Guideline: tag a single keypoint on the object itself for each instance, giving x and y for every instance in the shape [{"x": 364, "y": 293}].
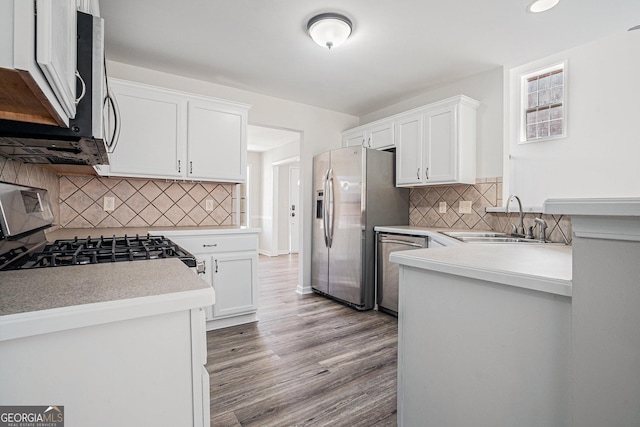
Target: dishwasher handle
[{"x": 402, "y": 242}]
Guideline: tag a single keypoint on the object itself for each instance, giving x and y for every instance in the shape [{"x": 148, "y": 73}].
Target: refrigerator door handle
[
  {"x": 325, "y": 209},
  {"x": 331, "y": 208}
]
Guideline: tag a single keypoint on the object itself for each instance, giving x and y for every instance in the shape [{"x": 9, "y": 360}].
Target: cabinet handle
[
  {"x": 369, "y": 142},
  {"x": 190, "y": 167},
  {"x": 418, "y": 173},
  {"x": 216, "y": 266},
  {"x": 179, "y": 166},
  {"x": 426, "y": 173},
  {"x": 210, "y": 246}
]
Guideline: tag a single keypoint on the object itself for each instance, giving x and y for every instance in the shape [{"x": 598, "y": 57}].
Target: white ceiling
[
  {"x": 262, "y": 139},
  {"x": 397, "y": 50}
]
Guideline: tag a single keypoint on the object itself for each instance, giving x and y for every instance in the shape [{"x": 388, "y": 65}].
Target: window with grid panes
[{"x": 544, "y": 104}]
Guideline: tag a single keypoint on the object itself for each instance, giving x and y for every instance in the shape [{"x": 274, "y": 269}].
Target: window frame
[{"x": 523, "y": 107}]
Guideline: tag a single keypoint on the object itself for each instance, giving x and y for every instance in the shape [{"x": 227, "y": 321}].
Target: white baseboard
[{"x": 302, "y": 289}]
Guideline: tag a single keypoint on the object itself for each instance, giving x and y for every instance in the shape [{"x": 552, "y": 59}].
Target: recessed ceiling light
[{"x": 542, "y": 5}]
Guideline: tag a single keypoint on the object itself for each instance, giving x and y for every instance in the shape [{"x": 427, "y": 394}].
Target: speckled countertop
[{"x": 24, "y": 291}]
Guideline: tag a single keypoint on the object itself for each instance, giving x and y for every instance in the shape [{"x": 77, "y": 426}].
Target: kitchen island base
[{"x": 477, "y": 353}]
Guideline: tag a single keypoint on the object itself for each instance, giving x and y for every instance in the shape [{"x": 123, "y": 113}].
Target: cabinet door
[
  {"x": 351, "y": 139},
  {"x": 409, "y": 169},
  {"x": 56, "y": 49},
  {"x": 235, "y": 284},
  {"x": 381, "y": 136},
  {"x": 217, "y": 142},
  {"x": 441, "y": 145},
  {"x": 152, "y": 134}
]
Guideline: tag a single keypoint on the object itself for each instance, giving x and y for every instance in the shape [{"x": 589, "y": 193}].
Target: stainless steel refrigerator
[{"x": 353, "y": 191}]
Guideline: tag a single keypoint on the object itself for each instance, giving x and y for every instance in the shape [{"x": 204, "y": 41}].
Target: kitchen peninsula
[
  {"x": 522, "y": 334},
  {"x": 484, "y": 335}
]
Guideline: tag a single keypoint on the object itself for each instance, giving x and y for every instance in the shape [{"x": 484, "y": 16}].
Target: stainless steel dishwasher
[{"x": 387, "y": 277}]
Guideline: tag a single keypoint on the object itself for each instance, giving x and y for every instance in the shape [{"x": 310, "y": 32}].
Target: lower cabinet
[
  {"x": 117, "y": 368},
  {"x": 231, "y": 268}
]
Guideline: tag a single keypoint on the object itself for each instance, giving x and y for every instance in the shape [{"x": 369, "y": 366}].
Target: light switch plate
[
  {"x": 442, "y": 208},
  {"x": 465, "y": 207},
  {"x": 208, "y": 205},
  {"x": 109, "y": 203}
]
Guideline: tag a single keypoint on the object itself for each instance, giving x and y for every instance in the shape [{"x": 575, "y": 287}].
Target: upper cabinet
[
  {"x": 38, "y": 61},
  {"x": 379, "y": 136},
  {"x": 435, "y": 144},
  {"x": 175, "y": 135}
]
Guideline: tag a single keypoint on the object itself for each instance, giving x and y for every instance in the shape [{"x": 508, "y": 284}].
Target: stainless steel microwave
[{"x": 84, "y": 141}]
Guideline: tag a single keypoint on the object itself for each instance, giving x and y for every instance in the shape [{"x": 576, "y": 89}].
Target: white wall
[
  {"x": 485, "y": 87},
  {"x": 599, "y": 156},
  {"x": 254, "y": 160},
  {"x": 321, "y": 129}
]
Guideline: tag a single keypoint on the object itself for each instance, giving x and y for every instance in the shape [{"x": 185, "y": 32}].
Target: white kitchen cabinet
[
  {"x": 354, "y": 137},
  {"x": 216, "y": 141},
  {"x": 234, "y": 275},
  {"x": 38, "y": 60},
  {"x": 379, "y": 136},
  {"x": 171, "y": 134},
  {"x": 152, "y": 138},
  {"x": 410, "y": 131},
  {"x": 231, "y": 262},
  {"x": 441, "y": 149}
]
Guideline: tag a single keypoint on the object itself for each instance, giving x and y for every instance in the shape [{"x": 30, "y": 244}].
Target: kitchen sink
[
  {"x": 473, "y": 234},
  {"x": 488, "y": 237}
]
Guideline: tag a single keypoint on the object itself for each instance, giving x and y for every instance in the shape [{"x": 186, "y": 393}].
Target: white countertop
[{"x": 545, "y": 268}]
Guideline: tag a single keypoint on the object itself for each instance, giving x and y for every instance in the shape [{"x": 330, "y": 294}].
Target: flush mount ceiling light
[
  {"x": 329, "y": 29},
  {"x": 539, "y": 6}
]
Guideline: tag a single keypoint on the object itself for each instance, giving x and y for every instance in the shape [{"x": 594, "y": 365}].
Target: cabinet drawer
[{"x": 214, "y": 244}]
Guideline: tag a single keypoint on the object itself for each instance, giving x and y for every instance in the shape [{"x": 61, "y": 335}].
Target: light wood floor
[{"x": 309, "y": 361}]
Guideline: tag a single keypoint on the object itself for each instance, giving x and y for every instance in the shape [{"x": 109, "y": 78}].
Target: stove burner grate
[{"x": 78, "y": 251}]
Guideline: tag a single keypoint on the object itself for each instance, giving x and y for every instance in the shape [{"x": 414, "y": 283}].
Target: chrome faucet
[
  {"x": 542, "y": 229},
  {"x": 520, "y": 228}
]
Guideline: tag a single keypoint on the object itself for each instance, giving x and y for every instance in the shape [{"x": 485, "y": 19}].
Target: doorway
[{"x": 294, "y": 209}]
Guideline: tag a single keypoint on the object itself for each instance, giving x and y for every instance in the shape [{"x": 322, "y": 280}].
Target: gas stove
[
  {"x": 80, "y": 251},
  {"x": 26, "y": 211}
]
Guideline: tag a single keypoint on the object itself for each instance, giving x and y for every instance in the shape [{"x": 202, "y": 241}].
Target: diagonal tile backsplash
[
  {"x": 143, "y": 202},
  {"x": 424, "y": 204},
  {"x": 487, "y": 192}
]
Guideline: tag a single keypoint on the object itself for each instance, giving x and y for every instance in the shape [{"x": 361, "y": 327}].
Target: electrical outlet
[
  {"x": 109, "y": 203},
  {"x": 465, "y": 207},
  {"x": 442, "y": 208},
  {"x": 208, "y": 205}
]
